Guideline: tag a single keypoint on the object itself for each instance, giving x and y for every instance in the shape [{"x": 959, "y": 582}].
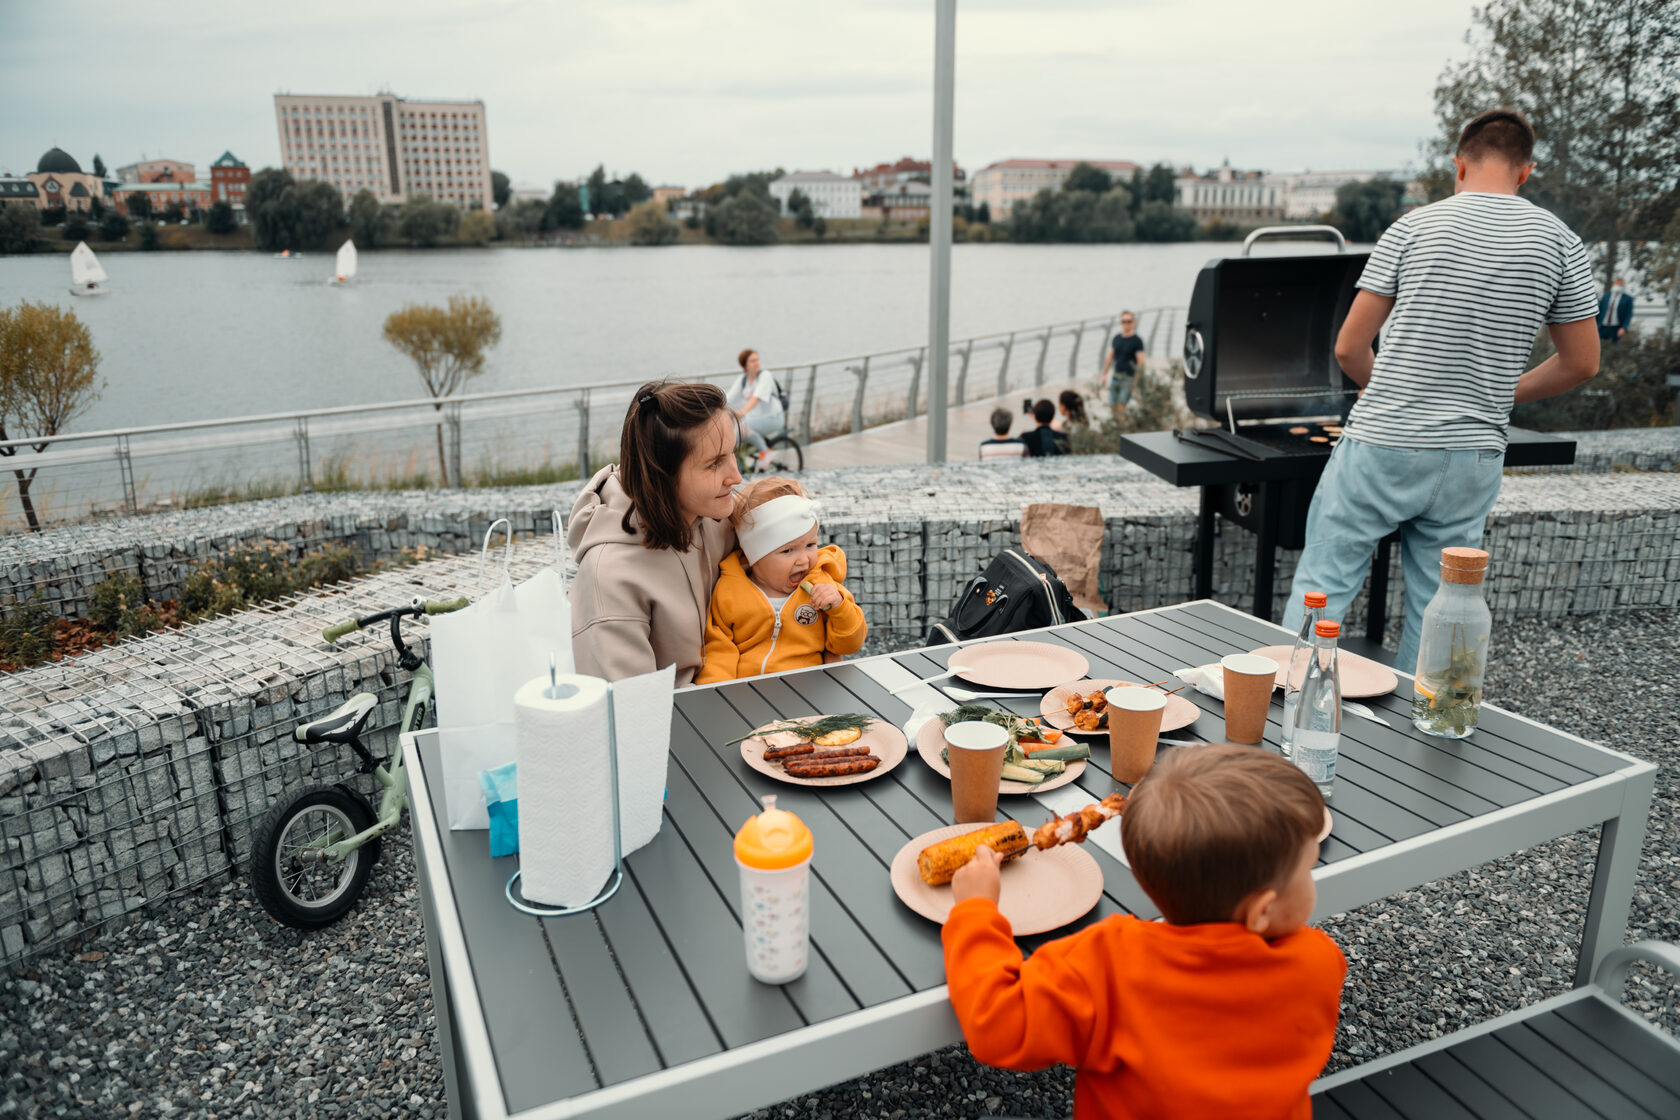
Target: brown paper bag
[{"x": 1070, "y": 540}]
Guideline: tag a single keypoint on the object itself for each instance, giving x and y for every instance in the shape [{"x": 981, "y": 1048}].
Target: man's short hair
[
  {"x": 1211, "y": 825},
  {"x": 1001, "y": 419},
  {"x": 1044, "y": 412},
  {"x": 1498, "y": 133}
]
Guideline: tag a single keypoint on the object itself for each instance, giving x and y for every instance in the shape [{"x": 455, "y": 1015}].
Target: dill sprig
[
  {"x": 821, "y": 725},
  {"x": 1009, "y": 721}
]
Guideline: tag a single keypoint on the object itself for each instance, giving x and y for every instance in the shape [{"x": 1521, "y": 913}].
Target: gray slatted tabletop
[{"x": 645, "y": 1006}]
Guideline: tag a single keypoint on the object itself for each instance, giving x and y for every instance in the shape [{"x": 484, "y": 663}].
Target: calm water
[{"x": 199, "y": 335}]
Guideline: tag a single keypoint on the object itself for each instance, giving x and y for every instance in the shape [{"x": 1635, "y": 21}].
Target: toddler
[
  {"x": 762, "y": 621},
  {"x": 1225, "y": 1008}
]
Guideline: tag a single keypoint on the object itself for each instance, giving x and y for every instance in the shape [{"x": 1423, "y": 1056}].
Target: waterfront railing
[{"x": 512, "y": 436}]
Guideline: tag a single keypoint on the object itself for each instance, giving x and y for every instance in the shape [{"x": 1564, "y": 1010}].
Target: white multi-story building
[
  {"x": 1308, "y": 195},
  {"x": 1002, "y": 184},
  {"x": 831, "y": 195},
  {"x": 391, "y": 146},
  {"x": 1239, "y": 197}
]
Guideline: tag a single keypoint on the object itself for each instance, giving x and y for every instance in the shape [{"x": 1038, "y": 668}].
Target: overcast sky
[{"x": 685, "y": 92}]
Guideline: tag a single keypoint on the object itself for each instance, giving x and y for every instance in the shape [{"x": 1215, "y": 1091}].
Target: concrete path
[{"x": 905, "y": 441}]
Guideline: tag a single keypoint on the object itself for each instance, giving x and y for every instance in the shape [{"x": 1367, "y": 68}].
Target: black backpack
[{"x": 1015, "y": 592}]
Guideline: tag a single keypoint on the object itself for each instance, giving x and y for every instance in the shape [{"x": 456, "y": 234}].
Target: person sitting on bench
[{"x": 1001, "y": 445}]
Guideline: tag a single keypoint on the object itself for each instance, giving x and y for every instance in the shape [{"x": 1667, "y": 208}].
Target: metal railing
[{"x": 507, "y": 436}]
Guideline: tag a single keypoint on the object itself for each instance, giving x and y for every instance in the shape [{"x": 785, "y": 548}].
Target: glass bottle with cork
[
  {"x": 1453, "y": 648},
  {"x": 1314, "y": 603}
]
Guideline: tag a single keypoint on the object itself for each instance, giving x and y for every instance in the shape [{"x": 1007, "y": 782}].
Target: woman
[
  {"x": 1070, "y": 409},
  {"x": 649, "y": 533},
  {"x": 757, "y": 404}
]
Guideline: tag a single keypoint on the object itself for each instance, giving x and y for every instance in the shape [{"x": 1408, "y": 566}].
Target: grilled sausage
[
  {"x": 771, "y": 754},
  {"x": 835, "y": 768},
  {"x": 828, "y": 755}
]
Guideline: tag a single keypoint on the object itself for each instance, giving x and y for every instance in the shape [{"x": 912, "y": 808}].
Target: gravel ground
[{"x": 207, "y": 1008}]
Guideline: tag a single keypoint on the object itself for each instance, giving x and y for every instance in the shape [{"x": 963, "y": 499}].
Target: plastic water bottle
[
  {"x": 1298, "y": 658},
  {"x": 1316, "y": 729}
]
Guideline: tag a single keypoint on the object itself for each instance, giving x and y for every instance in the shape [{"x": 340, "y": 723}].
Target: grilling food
[
  {"x": 832, "y": 767},
  {"x": 773, "y": 754},
  {"x": 1073, "y": 828},
  {"x": 838, "y": 737},
  {"x": 938, "y": 862}
]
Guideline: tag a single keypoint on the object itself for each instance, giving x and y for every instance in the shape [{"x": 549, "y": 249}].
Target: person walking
[
  {"x": 1615, "y": 313},
  {"x": 1462, "y": 285},
  {"x": 756, "y": 400},
  {"x": 1122, "y": 363}
]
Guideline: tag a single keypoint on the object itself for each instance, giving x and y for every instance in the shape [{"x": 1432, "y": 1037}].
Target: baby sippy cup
[{"x": 773, "y": 851}]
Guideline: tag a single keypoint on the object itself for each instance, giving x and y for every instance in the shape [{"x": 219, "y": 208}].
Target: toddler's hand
[
  {"x": 978, "y": 878},
  {"x": 825, "y": 596}
]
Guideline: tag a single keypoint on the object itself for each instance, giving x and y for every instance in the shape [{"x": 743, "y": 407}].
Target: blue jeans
[{"x": 1437, "y": 499}]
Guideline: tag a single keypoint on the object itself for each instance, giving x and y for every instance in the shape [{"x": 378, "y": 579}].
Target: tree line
[{"x": 1092, "y": 206}]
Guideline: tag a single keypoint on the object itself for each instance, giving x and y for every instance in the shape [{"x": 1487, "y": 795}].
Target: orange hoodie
[
  {"x": 1159, "y": 1020},
  {"x": 745, "y": 637}
]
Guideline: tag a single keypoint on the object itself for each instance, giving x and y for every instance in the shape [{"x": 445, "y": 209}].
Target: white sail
[
  {"x": 346, "y": 267},
  {"x": 84, "y": 267}
]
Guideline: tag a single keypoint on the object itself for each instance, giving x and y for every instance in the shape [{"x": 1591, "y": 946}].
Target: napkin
[{"x": 1206, "y": 679}]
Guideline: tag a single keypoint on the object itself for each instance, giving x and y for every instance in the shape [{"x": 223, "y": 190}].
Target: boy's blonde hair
[
  {"x": 759, "y": 491},
  {"x": 1211, "y": 825}
]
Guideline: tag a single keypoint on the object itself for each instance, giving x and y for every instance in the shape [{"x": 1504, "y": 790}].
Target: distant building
[
  {"x": 885, "y": 176},
  {"x": 163, "y": 195},
  {"x": 1309, "y": 195},
  {"x": 158, "y": 171},
  {"x": 60, "y": 181},
  {"x": 15, "y": 190},
  {"x": 668, "y": 194},
  {"x": 683, "y": 209},
  {"x": 906, "y": 201},
  {"x": 831, "y": 195},
  {"x": 229, "y": 180},
  {"x": 529, "y": 192},
  {"x": 389, "y": 145},
  {"x": 1227, "y": 195},
  {"x": 1002, "y": 184}
]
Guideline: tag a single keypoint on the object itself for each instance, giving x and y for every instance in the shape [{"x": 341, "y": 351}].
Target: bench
[{"x": 1580, "y": 1054}]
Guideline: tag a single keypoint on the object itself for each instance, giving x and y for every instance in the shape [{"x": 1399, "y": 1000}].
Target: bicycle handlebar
[
  {"x": 443, "y": 606},
  {"x": 428, "y": 606},
  {"x": 333, "y": 633}
]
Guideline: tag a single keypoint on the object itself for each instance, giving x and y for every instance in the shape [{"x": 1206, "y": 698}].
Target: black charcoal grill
[{"x": 1260, "y": 362}]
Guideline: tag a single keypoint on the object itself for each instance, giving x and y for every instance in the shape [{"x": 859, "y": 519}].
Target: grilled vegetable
[
  {"x": 938, "y": 862},
  {"x": 1014, "y": 772},
  {"x": 1049, "y": 766},
  {"x": 1067, "y": 752},
  {"x": 808, "y": 587}
]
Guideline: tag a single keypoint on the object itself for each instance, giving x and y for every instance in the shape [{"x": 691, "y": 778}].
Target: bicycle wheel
[
  {"x": 296, "y": 888},
  {"x": 784, "y": 443}
]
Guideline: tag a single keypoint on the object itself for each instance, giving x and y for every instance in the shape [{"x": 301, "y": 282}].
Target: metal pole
[{"x": 939, "y": 226}]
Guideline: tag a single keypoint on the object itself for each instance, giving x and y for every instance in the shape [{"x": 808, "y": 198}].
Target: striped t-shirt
[{"x": 1473, "y": 277}]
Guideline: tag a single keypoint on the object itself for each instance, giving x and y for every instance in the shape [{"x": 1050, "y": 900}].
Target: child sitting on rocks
[
  {"x": 763, "y": 620},
  {"x": 1226, "y": 1008}
]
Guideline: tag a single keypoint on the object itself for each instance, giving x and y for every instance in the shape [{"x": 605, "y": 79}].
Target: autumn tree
[
  {"x": 49, "y": 373},
  {"x": 447, "y": 347},
  {"x": 651, "y": 225}
]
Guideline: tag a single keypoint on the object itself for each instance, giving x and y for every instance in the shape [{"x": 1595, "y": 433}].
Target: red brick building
[{"x": 229, "y": 180}]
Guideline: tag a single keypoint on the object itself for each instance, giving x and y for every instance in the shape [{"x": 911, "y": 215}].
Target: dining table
[{"x": 644, "y": 1007}]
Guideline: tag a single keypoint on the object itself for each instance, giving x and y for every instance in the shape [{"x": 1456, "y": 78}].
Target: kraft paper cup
[
  {"x": 1249, "y": 680},
  {"x": 975, "y": 753},
  {"x": 1134, "y": 725}
]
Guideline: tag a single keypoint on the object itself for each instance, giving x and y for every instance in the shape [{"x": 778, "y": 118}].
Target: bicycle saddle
[{"x": 343, "y": 725}]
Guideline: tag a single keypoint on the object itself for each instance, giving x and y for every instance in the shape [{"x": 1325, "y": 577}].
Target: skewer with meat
[{"x": 1073, "y": 828}]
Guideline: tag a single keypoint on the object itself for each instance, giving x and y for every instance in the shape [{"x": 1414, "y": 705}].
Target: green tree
[
  {"x": 1365, "y": 209},
  {"x": 636, "y": 189},
  {"x": 173, "y": 213},
  {"x": 564, "y": 209},
  {"x": 1085, "y": 177},
  {"x": 820, "y": 227},
  {"x": 745, "y": 219},
  {"x": 98, "y": 166},
  {"x": 520, "y": 220},
  {"x": 77, "y": 229},
  {"x": 983, "y": 213},
  {"x": 1158, "y": 185},
  {"x": 221, "y": 218},
  {"x": 264, "y": 192},
  {"x": 148, "y": 237},
  {"x": 113, "y": 226},
  {"x": 49, "y": 373},
  {"x": 447, "y": 348},
  {"x": 95, "y": 211},
  {"x": 597, "y": 186},
  {"x": 139, "y": 206},
  {"x": 799, "y": 205},
  {"x": 1158, "y": 221},
  {"x": 20, "y": 226},
  {"x": 477, "y": 227},
  {"x": 757, "y": 182},
  {"x": 426, "y": 222},
  {"x": 1065, "y": 215},
  {"x": 500, "y": 189},
  {"x": 651, "y": 225},
  {"x": 53, "y": 216},
  {"x": 367, "y": 225}
]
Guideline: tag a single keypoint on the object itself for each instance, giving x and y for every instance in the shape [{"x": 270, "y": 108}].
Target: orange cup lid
[
  {"x": 1316, "y": 599},
  {"x": 773, "y": 840},
  {"x": 1327, "y": 629}
]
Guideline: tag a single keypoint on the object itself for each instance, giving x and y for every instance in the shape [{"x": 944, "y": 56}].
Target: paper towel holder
[{"x": 556, "y": 691}]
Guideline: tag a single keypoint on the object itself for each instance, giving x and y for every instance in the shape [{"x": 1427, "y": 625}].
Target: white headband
[{"x": 774, "y": 524}]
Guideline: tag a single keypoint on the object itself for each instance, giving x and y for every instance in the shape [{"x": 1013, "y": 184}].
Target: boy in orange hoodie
[
  {"x": 1226, "y": 1008},
  {"x": 762, "y": 620}
]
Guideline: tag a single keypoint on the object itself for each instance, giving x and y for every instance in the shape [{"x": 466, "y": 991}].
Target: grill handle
[{"x": 1295, "y": 232}]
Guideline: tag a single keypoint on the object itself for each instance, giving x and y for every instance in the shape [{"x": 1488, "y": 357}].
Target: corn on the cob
[{"x": 938, "y": 862}]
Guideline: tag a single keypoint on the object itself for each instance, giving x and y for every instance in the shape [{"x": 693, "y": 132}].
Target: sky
[{"x": 687, "y": 92}]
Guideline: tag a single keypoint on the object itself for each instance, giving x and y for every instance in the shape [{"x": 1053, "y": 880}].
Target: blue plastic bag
[{"x": 501, "y": 799}]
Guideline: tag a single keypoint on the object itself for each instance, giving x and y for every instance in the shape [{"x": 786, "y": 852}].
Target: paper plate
[
  {"x": 1180, "y": 713},
  {"x": 883, "y": 740},
  {"x": 1041, "y": 891},
  {"x": 1019, "y": 665},
  {"x": 1361, "y": 676},
  {"x": 930, "y": 740}
]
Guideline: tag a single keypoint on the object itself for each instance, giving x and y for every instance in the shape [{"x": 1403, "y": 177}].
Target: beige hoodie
[{"x": 637, "y": 609}]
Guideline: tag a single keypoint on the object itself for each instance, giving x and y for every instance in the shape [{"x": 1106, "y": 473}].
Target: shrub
[
  {"x": 1630, "y": 391},
  {"x": 205, "y": 594},
  {"x": 333, "y": 563},
  {"x": 77, "y": 229},
  {"x": 26, "y": 633},
  {"x": 119, "y": 605},
  {"x": 113, "y": 227}
]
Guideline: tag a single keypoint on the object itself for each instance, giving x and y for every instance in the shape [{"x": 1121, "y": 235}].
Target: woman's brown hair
[
  {"x": 1211, "y": 825},
  {"x": 659, "y": 432},
  {"x": 743, "y": 356}
]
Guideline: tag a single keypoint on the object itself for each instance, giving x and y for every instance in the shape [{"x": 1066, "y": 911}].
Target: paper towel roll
[{"x": 565, "y": 791}]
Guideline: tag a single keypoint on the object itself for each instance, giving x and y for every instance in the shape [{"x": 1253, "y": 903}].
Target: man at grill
[{"x": 1462, "y": 286}]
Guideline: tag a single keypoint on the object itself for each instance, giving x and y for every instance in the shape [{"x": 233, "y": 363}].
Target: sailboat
[
  {"x": 345, "y": 269},
  {"x": 86, "y": 277}
]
